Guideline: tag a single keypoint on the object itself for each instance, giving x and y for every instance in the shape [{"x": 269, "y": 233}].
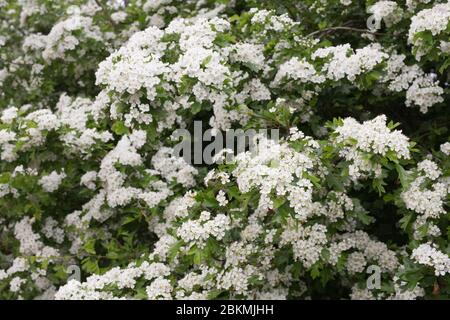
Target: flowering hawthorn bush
[{"x": 92, "y": 92}]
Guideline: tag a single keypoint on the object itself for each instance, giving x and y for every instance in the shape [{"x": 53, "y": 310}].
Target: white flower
[
  {"x": 434, "y": 20},
  {"x": 6, "y": 136},
  {"x": 8, "y": 115},
  {"x": 30, "y": 243},
  {"x": 356, "y": 262},
  {"x": 221, "y": 198},
  {"x": 60, "y": 39},
  {"x": 386, "y": 11},
  {"x": 119, "y": 16},
  {"x": 299, "y": 70},
  {"x": 15, "y": 284},
  {"x": 426, "y": 201},
  {"x": 198, "y": 231},
  {"x": 343, "y": 62},
  {"x": 307, "y": 242},
  {"x": 173, "y": 167},
  {"x": 249, "y": 53},
  {"x": 159, "y": 289},
  {"x": 428, "y": 254},
  {"x": 88, "y": 179},
  {"x": 45, "y": 119},
  {"x": 425, "y": 93},
  {"x": 374, "y": 136},
  {"x": 135, "y": 65},
  {"x": 52, "y": 181},
  {"x": 430, "y": 169},
  {"x": 445, "y": 148}
]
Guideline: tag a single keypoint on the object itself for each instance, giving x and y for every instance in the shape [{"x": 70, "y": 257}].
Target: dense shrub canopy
[{"x": 93, "y": 92}]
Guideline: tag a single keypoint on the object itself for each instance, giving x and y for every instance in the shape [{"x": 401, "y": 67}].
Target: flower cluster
[
  {"x": 428, "y": 23},
  {"x": 369, "y": 138},
  {"x": 428, "y": 255}
]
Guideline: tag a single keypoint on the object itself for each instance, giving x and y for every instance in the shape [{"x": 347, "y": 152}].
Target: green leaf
[
  {"x": 315, "y": 271},
  {"x": 174, "y": 250},
  {"x": 198, "y": 257},
  {"x": 214, "y": 293},
  {"x": 406, "y": 220},
  {"x": 90, "y": 265},
  {"x": 444, "y": 66},
  {"x": 365, "y": 218},
  {"x": 278, "y": 202},
  {"x": 196, "y": 107},
  {"x": 89, "y": 246},
  {"x": 224, "y": 39},
  {"x": 119, "y": 128},
  {"x": 378, "y": 184},
  {"x": 315, "y": 180},
  {"x": 402, "y": 175},
  {"x": 206, "y": 61}
]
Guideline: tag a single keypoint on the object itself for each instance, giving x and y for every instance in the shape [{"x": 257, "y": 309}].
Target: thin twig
[{"x": 344, "y": 28}]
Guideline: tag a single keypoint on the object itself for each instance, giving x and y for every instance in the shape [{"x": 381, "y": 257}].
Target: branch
[{"x": 343, "y": 28}]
